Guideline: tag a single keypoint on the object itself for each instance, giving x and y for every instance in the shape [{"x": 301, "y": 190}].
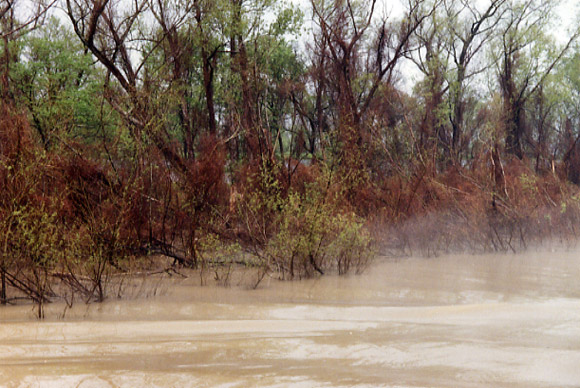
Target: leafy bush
[{"x": 304, "y": 234}]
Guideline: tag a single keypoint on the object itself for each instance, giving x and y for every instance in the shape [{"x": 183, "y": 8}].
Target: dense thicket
[{"x": 297, "y": 139}]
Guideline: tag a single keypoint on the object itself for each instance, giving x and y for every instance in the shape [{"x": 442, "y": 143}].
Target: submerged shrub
[
  {"x": 305, "y": 234},
  {"x": 314, "y": 239}
]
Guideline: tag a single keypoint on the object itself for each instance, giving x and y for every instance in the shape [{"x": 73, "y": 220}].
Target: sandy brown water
[{"x": 456, "y": 321}]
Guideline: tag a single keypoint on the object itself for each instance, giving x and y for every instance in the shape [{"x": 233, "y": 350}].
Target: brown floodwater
[{"x": 454, "y": 321}]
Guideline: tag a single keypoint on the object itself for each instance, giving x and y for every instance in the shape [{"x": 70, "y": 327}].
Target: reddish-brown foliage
[{"x": 15, "y": 133}]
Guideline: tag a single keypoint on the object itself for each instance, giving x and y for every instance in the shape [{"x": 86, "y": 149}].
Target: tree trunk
[
  {"x": 3, "y": 286},
  {"x": 208, "y": 72},
  {"x": 514, "y": 128}
]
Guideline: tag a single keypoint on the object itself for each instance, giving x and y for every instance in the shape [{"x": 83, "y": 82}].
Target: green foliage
[
  {"x": 289, "y": 20},
  {"x": 529, "y": 183},
  {"x": 61, "y": 87},
  {"x": 34, "y": 236},
  {"x": 313, "y": 239},
  {"x": 214, "y": 250},
  {"x": 32, "y": 243},
  {"x": 305, "y": 234},
  {"x": 218, "y": 256}
]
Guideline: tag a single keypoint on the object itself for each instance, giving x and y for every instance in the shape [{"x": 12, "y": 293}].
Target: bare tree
[
  {"x": 356, "y": 50},
  {"x": 466, "y": 41}
]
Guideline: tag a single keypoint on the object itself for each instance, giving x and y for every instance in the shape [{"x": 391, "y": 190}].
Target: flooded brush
[
  {"x": 464, "y": 212},
  {"x": 304, "y": 234}
]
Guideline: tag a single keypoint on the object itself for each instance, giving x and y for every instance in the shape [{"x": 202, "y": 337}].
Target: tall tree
[
  {"x": 471, "y": 28},
  {"x": 448, "y": 43},
  {"x": 527, "y": 56},
  {"x": 118, "y": 37},
  {"x": 361, "y": 58}
]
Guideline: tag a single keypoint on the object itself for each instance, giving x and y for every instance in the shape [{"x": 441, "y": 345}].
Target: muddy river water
[{"x": 456, "y": 321}]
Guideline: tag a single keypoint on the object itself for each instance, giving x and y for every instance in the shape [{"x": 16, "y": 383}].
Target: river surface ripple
[{"x": 454, "y": 321}]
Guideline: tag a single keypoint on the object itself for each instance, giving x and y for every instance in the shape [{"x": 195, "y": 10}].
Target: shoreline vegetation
[{"x": 161, "y": 137}]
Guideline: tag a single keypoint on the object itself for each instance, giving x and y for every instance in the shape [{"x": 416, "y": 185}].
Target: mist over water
[{"x": 469, "y": 321}]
